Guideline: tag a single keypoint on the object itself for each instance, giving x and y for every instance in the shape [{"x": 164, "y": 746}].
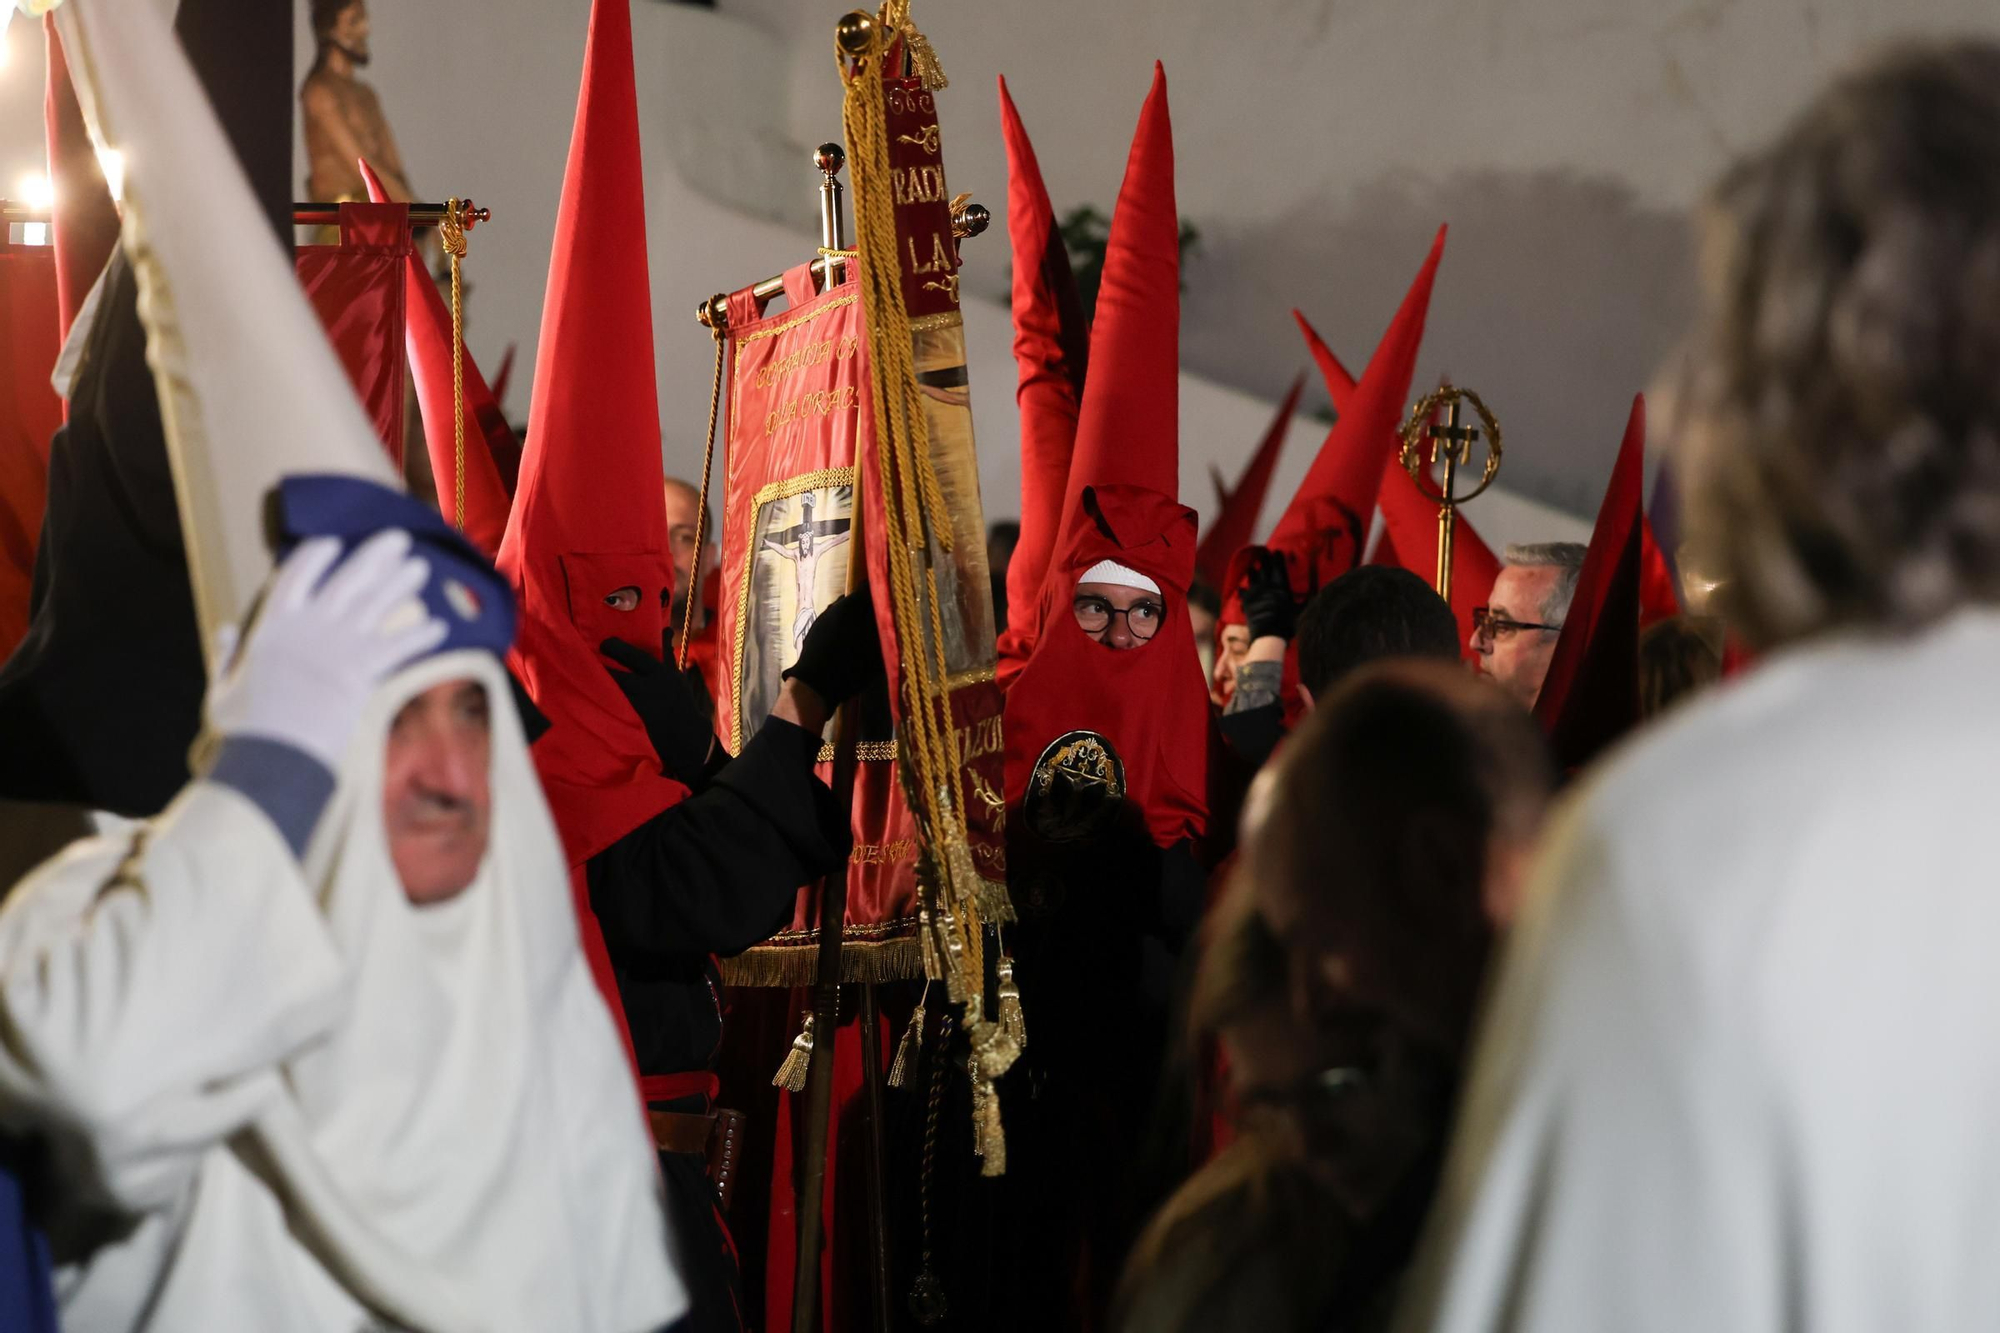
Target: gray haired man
[{"x": 1514, "y": 634}]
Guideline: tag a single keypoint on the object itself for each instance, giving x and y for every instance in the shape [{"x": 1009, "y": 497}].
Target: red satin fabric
[
  {"x": 428, "y": 340},
  {"x": 1410, "y": 538},
  {"x": 1590, "y": 696},
  {"x": 1323, "y": 530},
  {"x": 1051, "y": 350},
  {"x": 1409, "y": 520},
  {"x": 1128, "y": 428},
  {"x": 1659, "y": 597},
  {"x": 590, "y": 515},
  {"x": 356, "y": 288},
  {"x": 798, "y": 405},
  {"x": 30, "y": 412},
  {"x": 843, "y": 1259},
  {"x": 1150, "y": 702},
  {"x": 1236, "y": 516}
]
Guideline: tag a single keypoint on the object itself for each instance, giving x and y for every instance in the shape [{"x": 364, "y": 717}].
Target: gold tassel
[
  {"x": 992, "y": 1139},
  {"x": 980, "y": 1095},
  {"x": 933, "y": 966},
  {"x": 791, "y": 1075},
  {"x": 1012, "y": 1021},
  {"x": 908, "y": 1049},
  {"x": 953, "y": 957}
]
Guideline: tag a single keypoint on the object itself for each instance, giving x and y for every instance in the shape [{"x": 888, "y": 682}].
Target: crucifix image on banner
[{"x": 797, "y": 564}]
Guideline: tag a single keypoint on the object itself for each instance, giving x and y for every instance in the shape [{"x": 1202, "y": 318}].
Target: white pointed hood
[{"x": 465, "y": 1150}]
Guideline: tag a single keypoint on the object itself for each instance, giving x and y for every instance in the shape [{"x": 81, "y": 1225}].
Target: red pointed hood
[
  {"x": 1236, "y": 516},
  {"x": 1050, "y": 350},
  {"x": 1339, "y": 381},
  {"x": 1323, "y": 529},
  {"x": 1590, "y": 696},
  {"x": 1149, "y": 702},
  {"x": 1410, "y": 539},
  {"x": 1409, "y": 520},
  {"x": 428, "y": 341},
  {"x": 1128, "y": 431},
  {"x": 503, "y": 377},
  {"x": 588, "y": 517},
  {"x": 1659, "y": 597}
]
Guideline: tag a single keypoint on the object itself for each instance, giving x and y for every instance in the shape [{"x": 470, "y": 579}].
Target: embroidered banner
[{"x": 797, "y": 381}]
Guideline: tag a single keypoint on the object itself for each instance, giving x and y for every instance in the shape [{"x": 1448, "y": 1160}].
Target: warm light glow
[
  {"x": 35, "y": 190},
  {"x": 112, "y": 162}
]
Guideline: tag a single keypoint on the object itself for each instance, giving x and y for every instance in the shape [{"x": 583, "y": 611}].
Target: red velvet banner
[
  {"x": 797, "y": 383},
  {"x": 923, "y": 205},
  {"x": 30, "y": 411},
  {"x": 357, "y": 289},
  {"x": 928, "y": 259}
]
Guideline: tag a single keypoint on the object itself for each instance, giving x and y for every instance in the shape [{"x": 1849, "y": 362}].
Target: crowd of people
[{"x": 1360, "y": 999}]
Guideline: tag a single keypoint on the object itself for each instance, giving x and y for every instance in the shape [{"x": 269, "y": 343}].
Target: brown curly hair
[{"x": 1843, "y": 453}]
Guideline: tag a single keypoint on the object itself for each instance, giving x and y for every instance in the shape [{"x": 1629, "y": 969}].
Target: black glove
[
  {"x": 842, "y": 652},
  {"x": 1268, "y": 606},
  {"x": 666, "y": 705}
]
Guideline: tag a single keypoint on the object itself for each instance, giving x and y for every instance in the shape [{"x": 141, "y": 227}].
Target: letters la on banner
[{"x": 801, "y": 483}]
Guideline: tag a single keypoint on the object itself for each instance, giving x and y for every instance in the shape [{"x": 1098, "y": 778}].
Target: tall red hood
[{"x": 589, "y": 514}]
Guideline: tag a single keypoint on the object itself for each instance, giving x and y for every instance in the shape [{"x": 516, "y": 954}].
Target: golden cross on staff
[{"x": 1450, "y": 443}]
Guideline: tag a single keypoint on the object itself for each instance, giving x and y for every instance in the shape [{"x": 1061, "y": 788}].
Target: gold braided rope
[
  {"x": 451, "y": 234},
  {"x": 917, "y": 525},
  {"x": 701, "y": 508}
]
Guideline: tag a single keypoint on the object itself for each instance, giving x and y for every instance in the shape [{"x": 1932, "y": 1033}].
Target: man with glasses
[
  {"x": 1117, "y": 605},
  {"x": 1515, "y": 634}
]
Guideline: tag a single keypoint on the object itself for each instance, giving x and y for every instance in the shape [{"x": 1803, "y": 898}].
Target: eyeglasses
[
  {"x": 1094, "y": 615},
  {"x": 1497, "y": 624}
]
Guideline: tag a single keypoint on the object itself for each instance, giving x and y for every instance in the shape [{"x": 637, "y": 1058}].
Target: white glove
[{"x": 317, "y": 650}]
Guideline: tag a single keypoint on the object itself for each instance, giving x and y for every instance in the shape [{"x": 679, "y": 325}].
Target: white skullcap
[{"x": 1120, "y": 576}]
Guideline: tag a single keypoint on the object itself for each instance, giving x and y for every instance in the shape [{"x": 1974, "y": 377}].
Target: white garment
[
  {"x": 249, "y": 387},
  {"x": 320, "y": 1104},
  {"x": 1742, "y": 1067}
]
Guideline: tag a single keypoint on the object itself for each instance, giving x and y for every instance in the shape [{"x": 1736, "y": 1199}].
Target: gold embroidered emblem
[{"x": 1075, "y": 788}]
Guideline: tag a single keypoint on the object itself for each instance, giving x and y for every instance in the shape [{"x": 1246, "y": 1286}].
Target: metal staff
[{"x": 1449, "y": 443}]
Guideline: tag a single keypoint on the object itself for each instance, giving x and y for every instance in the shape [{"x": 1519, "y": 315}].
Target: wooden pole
[
  {"x": 871, "y": 1147},
  {"x": 829, "y": 158}
]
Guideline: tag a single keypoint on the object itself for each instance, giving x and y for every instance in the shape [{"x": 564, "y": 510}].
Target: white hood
[{"x": 467, "y": 1150}]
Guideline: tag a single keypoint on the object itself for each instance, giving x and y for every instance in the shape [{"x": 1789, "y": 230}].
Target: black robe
[{"x": 712, "y": 875}]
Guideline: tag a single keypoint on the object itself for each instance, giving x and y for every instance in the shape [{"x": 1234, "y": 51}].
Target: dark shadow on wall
[{"x": 1557, "y": 299}]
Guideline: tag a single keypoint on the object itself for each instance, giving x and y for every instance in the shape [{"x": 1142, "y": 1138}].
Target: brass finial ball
[
  {"x": 830, "y": 158},
  {"x": 854, "y": 34},
  {"x": 976, "y": 218}
]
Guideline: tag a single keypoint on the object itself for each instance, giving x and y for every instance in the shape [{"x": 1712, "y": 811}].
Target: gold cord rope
[
  {"x": 701, "y": 510},
  {"x": 918, "y": 527},
  {"x": 451, "y": 233}
]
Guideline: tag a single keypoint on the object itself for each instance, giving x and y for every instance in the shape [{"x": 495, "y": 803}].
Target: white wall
[{"x": 1320, "y": 142}]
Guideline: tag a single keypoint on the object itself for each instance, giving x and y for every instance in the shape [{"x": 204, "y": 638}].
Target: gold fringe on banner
[{"x": 875, "y": 962}]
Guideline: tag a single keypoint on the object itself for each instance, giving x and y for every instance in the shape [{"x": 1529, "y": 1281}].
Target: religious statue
[{"x": 343, "y": 117}]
